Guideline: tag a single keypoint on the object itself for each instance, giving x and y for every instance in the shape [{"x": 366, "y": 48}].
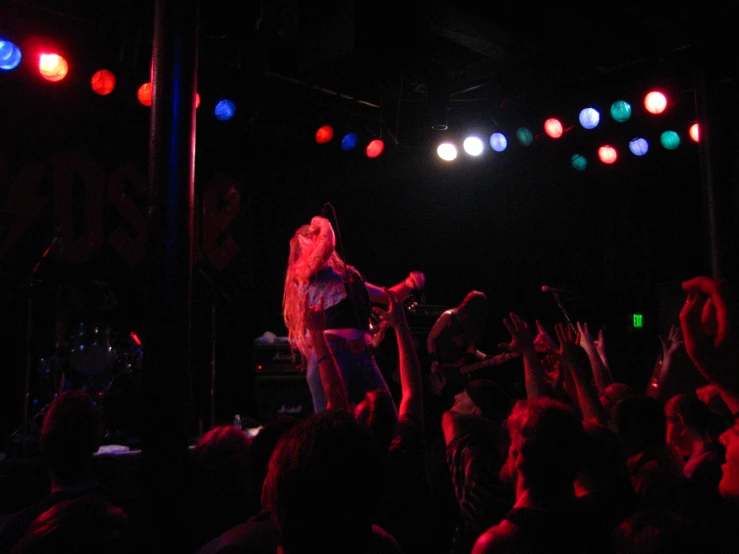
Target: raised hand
[
  {"x": 706, "y": 320},
  {"x": 521, "y": 337},
  {"x": 672, "y": 342},
  {"x": 600, "y": 346},
  {"x": 596, "y": 354},
  {"x": 586, "y": 340},
  {"x": 379, "y": 332},
  {"x": 543, "y": 342},
  {"x": 316, "y": 249},
  {"x": 577, "y": 360},
  {"x": 415, "y": 281},
  {"x": 569, "y": 341},
  {"x": 319, "y": 222},
  {"x": 395, "y": 314},
  {"x": 522, "y": 342}
]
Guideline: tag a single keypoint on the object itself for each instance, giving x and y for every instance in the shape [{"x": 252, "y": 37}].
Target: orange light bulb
[{"x": 53, "y": 67}]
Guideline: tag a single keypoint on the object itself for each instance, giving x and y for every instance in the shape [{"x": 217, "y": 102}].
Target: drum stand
[{"x": 23, "y": 430}]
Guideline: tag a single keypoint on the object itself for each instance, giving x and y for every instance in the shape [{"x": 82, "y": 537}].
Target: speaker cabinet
[
  {"x": 278, "y": 394},
  {"x": 275, "y": 358}
]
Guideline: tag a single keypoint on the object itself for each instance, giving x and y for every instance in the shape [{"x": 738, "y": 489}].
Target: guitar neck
[{"x": 495, "y": 360}]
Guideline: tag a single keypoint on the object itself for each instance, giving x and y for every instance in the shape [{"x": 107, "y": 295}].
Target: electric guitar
[
  {"x": 378, "y": 327},
  {"x": 458, "y": 372}
]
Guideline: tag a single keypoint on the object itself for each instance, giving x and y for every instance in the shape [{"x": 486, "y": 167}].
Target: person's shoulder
[
  {"x": 382, "y": 542},
  {"x": 465, "y": 445},
  {"x": 257, "y": 534},
  {"x": 497, "y": 539},
  {"x": 409, "y": 437},
  {"x": 409, "y": 425},
  {"x": 16, "y": 524},
  {"x": 473, "y": 429},
  {"x": 706, "y": 465}
]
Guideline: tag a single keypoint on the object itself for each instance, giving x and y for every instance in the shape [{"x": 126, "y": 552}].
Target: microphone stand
[
  {"x": 28, "y": 287},
  {"x": 216, "y": 293},
  {"x": 558, "y": 300}
]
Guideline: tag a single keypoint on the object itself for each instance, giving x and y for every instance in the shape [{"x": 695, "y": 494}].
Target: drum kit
[
  {"x": 105, "y": 363},
  {"x": 97, "y": 356},
  {"x": 88, "y": 355}
]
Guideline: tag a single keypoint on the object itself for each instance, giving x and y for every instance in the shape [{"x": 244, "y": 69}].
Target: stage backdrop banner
[{"x": 71, "y": 197}]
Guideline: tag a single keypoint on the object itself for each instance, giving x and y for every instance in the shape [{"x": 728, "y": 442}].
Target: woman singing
[{"x": 316, "y": 273}]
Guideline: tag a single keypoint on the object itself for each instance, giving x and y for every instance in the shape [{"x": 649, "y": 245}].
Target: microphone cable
[{"x": 340, "y": 243}]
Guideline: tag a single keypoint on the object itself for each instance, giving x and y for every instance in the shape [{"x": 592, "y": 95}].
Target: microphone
[
  {"x": 58, "y": 238},
  {"x": 326, "y": 210},
  {"x": 546, "y": 288}
]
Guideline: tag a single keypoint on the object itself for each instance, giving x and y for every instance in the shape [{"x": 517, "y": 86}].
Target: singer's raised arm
[{"x": 413, "y": 282}]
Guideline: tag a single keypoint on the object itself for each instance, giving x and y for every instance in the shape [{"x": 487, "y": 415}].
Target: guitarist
[{"x": 452, "y": 341}]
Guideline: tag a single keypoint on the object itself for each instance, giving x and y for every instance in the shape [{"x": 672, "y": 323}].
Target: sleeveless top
[{"x": 345, "y": 298}]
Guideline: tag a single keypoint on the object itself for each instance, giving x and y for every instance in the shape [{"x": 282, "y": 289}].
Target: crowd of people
[{"x": 581, "y": 462}]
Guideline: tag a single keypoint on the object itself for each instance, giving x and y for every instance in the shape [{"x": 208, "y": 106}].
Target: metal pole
[
  {"x": 709, "y": 129},
  {"x": 29, "y": 356},
  {"x": 715, "y": 97},
  {"x": 167, "y": 366},
  {"x": 213, "y": 360}
]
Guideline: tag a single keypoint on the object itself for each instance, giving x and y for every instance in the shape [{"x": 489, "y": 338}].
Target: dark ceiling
[
  {"x": 424, "y": 62},
  {"x": 403, "y": 63}
]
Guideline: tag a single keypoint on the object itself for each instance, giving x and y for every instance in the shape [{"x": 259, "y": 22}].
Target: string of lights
[{"x": 54, "y": 67}]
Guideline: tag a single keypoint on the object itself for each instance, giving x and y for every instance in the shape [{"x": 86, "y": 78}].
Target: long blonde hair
[{"x": 293, "y": 295}]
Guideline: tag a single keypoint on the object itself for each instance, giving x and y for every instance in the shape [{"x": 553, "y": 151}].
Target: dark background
[{"x": 621, "y": 237}]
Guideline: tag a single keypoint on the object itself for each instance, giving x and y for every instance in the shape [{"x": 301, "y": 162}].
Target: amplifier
[
  {"x": 275, "y": 358},
  {"x": 421, "y": 317},
  {"x": 281, "y": 394}
]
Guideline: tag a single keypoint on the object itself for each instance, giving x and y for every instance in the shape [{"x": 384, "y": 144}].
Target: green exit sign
[{"x": 638, "y": 321}]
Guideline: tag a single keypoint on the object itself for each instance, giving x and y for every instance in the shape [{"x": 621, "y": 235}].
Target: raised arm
[
  {"x": 707, "y": 320},
  {"x": 564, "y": 381},
  {"x": 601, "y": 375},
  {"x": 662, "y": 368},
  {"x": 522, "y": 341},
  {"x": 415, "y": 281},
  {"x": 315, "y": 256},
  {"x": 543, "y": 341},
  {"x": 578, "y": 363},
  {"x": 411, "y": 384},
  {"x": 600, "y": 347},
  {"x": 333, "y": 383}
]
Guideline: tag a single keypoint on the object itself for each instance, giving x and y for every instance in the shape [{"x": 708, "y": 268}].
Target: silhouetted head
[
  {"x": 474, "y": 304},
  {"x": 320, "y": 484},
  {"x": 490, "y": 398},
  {"x": 377, "y": 414},
  {"x": 689, "y": 419},
  {"x": 71, "y": 433},
  {"x": 262, "y": 447},
  {"x": 545, "y": 446},
  {"x": 219, "y": 483},
  {"x": 640, "y": 423},
  {"x": 613, "y": 394}
]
